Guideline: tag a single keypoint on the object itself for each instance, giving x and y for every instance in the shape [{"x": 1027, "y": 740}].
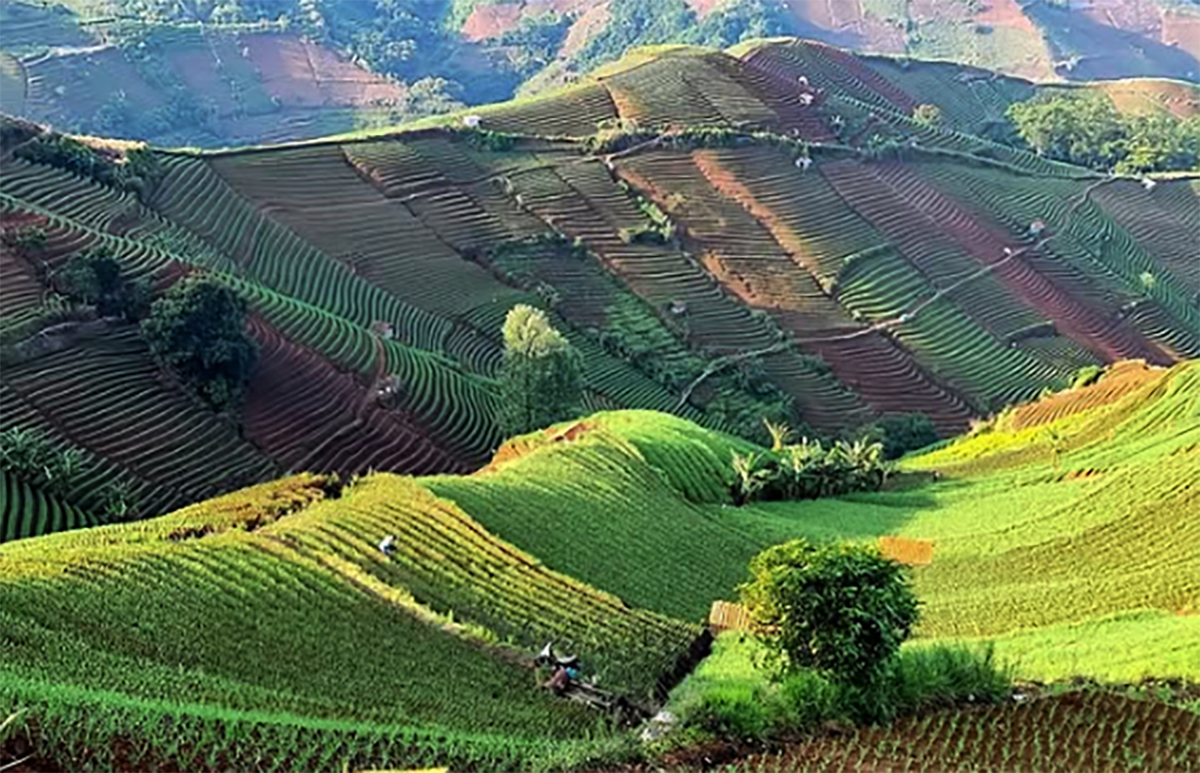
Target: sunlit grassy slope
[
  {"x": 1088, "y": 563},
  {"x": 269, "y": 617}
]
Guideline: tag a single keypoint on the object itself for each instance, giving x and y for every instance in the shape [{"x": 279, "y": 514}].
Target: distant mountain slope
[
  {"x": 221, "y": 74},
  {"x": 733, "y": 243}
]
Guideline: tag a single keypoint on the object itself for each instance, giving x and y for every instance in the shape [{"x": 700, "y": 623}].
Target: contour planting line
[{"x": 886, "y": 324}]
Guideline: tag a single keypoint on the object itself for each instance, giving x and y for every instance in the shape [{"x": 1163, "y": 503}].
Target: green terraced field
[
  {"x": 857, "y": 286},
  {"x": 1078, "y": 561}
]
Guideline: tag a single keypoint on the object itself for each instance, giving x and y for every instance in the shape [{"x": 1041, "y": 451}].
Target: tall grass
[{"x": 728, "y": 699}]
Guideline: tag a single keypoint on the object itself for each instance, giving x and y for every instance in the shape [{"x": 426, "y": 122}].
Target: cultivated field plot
[
  {"x": 1071, "y": 732},
  {"x": 682, "y": 267}
]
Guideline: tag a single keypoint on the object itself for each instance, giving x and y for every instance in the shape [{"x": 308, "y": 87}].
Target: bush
[
  {"x": 1086, "y": 376},
  {"x": 735, "y": 711},
  {"x": 198, "y": 330},
  {"x": 31, "y": 456},
  {"x": 840, "y": 609}
]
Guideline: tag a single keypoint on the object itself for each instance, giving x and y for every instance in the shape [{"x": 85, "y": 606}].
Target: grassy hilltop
[
  {"x": 263, "y": 630},
  {"x": 768, "y": 231}
]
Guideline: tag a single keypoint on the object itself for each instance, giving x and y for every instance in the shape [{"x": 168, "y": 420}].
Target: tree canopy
[
  {"x": 541, "y": 382},
  {"x": 840, "y": 609},
  {"x": 1085, "y": 128},
  {"x": 198, "y": 330}
]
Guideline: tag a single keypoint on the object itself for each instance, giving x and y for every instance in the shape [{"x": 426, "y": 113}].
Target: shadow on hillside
[
  {"x": 1097, "y": 51},
  {"x": 862, "y": 516}
]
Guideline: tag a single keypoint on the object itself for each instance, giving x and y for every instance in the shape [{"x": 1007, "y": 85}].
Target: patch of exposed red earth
[
  {"x": 302, "y": 74},
  {"x": 308, "y": 415},
  {"x": 488, "y": 22},
  {"x": 1006, "y": 13},
  {"x": 587, "y": 26},
  {"x": 1182, "y": 29},
  {"x": 1141, "y": 16}
]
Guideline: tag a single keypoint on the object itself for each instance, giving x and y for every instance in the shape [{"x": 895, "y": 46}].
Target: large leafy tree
[
  {"x": 541, "y": 380},
  {"x": 841, "y": 609},
  {"x": 198, "y": 330}
]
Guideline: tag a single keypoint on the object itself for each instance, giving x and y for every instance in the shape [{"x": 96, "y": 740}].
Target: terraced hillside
[
  {"x": 722, "y": 236},
  {"x": 1063, "y": 532}
]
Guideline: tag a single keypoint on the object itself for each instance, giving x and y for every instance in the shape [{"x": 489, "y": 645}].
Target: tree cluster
[
  {"x": 138, "y": 172},
  {"x": 900, "y": 433},
  {"x": 807, "y": 470},
  {"x": 842, "y": 610},
  {"x": 1085, "y": 128},
  {"x": 95, "y": 278}
]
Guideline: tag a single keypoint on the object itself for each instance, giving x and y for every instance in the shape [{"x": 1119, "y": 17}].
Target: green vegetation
[
  {"x": 901, "y": 433},
  {"x": 732, "y": 695},
  {"x": 840, "y": 610},
  {"x": 807, "y": 470},
  {"x": 198, "y": 330},
  {"x": 1086, "y": 129},
  {"x": 651, "y": 22},
  {"x": 137, "y": 171},
  {"x": 95, "y": 278},
  {"x": 540, "y": 382}
]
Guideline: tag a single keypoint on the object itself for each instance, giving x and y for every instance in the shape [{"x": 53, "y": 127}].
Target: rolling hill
[
  {"x": 263, "y": 629},
  {"x": 766, "y": 231}
]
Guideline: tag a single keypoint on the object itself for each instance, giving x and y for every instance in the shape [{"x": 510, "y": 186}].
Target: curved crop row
[
  {"x": 27, "y": 511},
  {"x": 105, "y": 395}
]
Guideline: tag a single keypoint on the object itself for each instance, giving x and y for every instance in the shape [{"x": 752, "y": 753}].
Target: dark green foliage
[
  {"x": 95, "y": 278},
  {"x": 1086, "y": 129},
  {"x": 807, "y": 470},
  {"x": 651, "y": 22},
  {"x": 198, "y": 330},
  {"x": 138, "y": 172},
  {"x": 900, "y": 433},
  {"x": 535, "y": 43},
  {"x": 840, "y": 609},
  {"x": 541, "y": 382},
  {"x": 30, "y": 455}
]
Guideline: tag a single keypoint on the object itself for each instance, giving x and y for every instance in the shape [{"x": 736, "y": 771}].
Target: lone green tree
[
  {"x": 198, "y": 330},
  {"x": 541, "y": 381},
  {"x": 840, "y": 609}
]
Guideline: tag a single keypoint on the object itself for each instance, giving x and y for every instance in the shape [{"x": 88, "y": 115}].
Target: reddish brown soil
[
  {"x": 1182, "y": 29},
  {"x": 1124, "y": 378},
  {"x": 1006, "y": 13},
  {"x": 589, "y": 23},
  {"x": 488, "y": 22},
  {"x": 308, "y": 415},
  {"x": 300, "y": 73}
]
